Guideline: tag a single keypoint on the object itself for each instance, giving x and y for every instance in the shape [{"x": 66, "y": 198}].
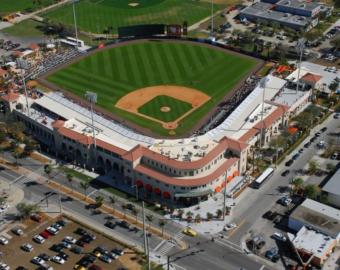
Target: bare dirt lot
[{"x": 14, "y": 256}]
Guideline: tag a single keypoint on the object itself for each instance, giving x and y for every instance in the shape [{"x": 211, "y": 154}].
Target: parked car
[
  {"x": 38, "y": 261},
  {"x": 76, "y": 250},
  {"x": 118, "y": 251},
  {"x": 57, "y": 247},
  {"x": 38, "y": 239},
  {"x": 110, "y": 224},
  {"x": 285, "y": 201},
  {"x": 45, "y": 234},
  {"x": 58, "y": 259},
  {"x": 27, "y": 247},
  {"x": 279, "y": 236},
  {"x": 80, "y": 231},
  {"x": 70, "y": 239},
  {"x": 289, "y": 162},
  {"x": 229, "y": 227},
  {"x": 321, "y": 144},
  {"x": 95, "y": 267},
  {"x": 52, "y": 230},
  {"x": 285, "y": 173},
  {"x": 271, "y": 253},
  {"x": 65, "y": 244},
  {"x": 4, "y": 266},
  {"x": 44, "y": 256},
  {"x": 323, "y": 129},
  {"x": 105, "y": 258},
  {"x": 190, "y": 232},
  {"x": 296, "y": 156},
  {"x": 17, "y": 231},
  {"x": 335, "y": 156},
  {"x": 36, "y": 217},
  {"x": 3, "y": 240},
  {"x": 61, "y": 222},
  {"x": 63, "y": 255}
]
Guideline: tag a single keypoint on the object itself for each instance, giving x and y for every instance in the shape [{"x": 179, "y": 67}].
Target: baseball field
[
  {"x": 9, "y": 6},
  {"x": 164, "y": 86},
  {"x": 97, "y": 15}
]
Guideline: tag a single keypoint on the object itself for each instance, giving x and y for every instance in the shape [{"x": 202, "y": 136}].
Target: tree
[
  {"x": 312, "y": 191},
  {"x": 330, "y": 167},
  {"x": 219, "y": 213},
  {"x": 69, "y": 177},
  {"x": 3, "y": 200},
  {"x": 112, "y": 202},
  {"x": 135, "y": 211},
  {"x": 48, "y": 170},
  {"x": 150, "y": 219},
  {"x": 161, "y": 224},
  {"x": 16, "y": 154},
  {"x": 209, "y": 216},
  {"x": 313, "y": 166},
  {"x": 189, "y": 215},
  {"x": 297, "y": 184},
  {"x": 335, "y": 42},
  {"x": 26, "y": 209},
  {"x": 198, "y": 218},
  {"x": 85, "y": 185},
  {"x": 180, "y": 213},
  {"x": 99, "y": 200}
]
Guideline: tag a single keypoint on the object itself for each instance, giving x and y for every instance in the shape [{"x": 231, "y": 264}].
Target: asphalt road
[{"x": 255, "y": 202}]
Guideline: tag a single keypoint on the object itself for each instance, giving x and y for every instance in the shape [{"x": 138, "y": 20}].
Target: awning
[
  {"x": 218, "y": 189},
  {"x": 158, "y": 191},
  {"x": 148, "y": 187},
  {"x": 166, "y": 195},
  {"x": 194, "y": 194},
  {"x": 139, "y": 183}
]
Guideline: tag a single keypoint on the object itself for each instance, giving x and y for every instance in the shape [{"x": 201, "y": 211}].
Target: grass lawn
[
  {"x": 26, "y": 28},
  {"x": 77, "y": 174},
  {"x": 114, "y": 72},
  {"x": 10, "y": 6},
  {"x": 153, "y": 108},
  {"x": 95, "y": 16}
]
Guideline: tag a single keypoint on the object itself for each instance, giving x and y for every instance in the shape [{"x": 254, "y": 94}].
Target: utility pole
[
  {"x": 300, "y": 47},
  {"x": 75, "y": 21},
  {"x": 224, "y": 196},
  {"x": 146, "y": 248},
  {"x": 212, "y": 19}
]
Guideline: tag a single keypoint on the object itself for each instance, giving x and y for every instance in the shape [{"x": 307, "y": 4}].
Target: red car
[
  {"x": 45, "y": 234},
  {"x": 36, "y": 217}
]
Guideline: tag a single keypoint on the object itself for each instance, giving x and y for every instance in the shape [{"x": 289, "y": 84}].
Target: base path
[{"x": 134, "y": 100}]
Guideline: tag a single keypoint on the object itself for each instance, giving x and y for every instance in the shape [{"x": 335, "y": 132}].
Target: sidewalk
[{"x": 15, "y": 194}]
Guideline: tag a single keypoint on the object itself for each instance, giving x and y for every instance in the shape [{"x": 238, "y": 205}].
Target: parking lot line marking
[
  {"x": 239, "y": 226},
  {"x": 262, "y": 267}
]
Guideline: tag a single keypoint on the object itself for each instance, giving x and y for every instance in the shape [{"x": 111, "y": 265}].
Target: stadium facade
[{"x": 171, "y": 171}]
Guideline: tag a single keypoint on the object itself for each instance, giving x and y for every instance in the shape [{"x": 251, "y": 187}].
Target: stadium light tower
[
  {"x": 300, "y": 48},
  {"x": 75, "y": 20},
  {"x": 212, "y": 19},
  {"x": 92, "y": 98}
]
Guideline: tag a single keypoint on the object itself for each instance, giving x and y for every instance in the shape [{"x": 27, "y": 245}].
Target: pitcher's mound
[
  {"x": 165, "y": 109},
  {"x": 133, "y": 4}
]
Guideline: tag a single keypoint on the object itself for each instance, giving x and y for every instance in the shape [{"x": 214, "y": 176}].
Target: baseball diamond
[{"x": 122, "y": 69}]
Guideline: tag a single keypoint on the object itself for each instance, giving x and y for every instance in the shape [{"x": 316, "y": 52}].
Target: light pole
[
  {"x": 75, "y": 21},
  {"x": 224, "y": 196},
  {"x": 212, "y": 19},
  {"x": 92, "y": 98},
  {"x": 300, "y": 48},
  {"x": 26, "y": 95}
]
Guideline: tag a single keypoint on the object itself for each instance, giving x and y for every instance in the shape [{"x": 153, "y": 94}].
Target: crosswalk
[{"x": 165, "y": 246}]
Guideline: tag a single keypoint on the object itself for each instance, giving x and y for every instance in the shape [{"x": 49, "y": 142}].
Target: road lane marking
[
  {"x": 262, "y": 267},
  {"x": 239, "y": 226},
  {"x": 159, "y": 245},
  {"x": 92, "y": 192},
  {"x": 238, "y": 249}
]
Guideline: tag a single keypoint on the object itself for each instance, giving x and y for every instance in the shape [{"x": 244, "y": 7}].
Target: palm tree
[
  {"x": 189, "y": 215},
  {"x": 161, "y": 224},
  {"x": 48, "y": 170},
  {"x": 99, "y": 200},
  {"x": 313, "y": 166},
  {"x": 312, "y": 191},
  {"x": 112, "y": 202},
  {"x": 69, "y": 177},
  {"x": 180, "y": 213},
  {"x": 135, "y": 211},
  {"x": 297, "y": 184},
  {"x": 219, "y": 213},
  {"x": 198, "y": 218},
  {"x": 209, "y": 216},
  {"x": 85, "y": 185},
  {"x": 150, "y": 219}
]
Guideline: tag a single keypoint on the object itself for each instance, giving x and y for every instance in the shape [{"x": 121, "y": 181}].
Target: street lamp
[
  {"x": 300, "y": 48},
  {"x": 75, "y": 20},
  {"x": 263, "y": 84},
  {"x": 92, "y": 98},
  {"x": 212, "y": 19}
]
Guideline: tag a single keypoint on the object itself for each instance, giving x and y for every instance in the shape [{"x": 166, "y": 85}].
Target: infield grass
[
  {"x": 114, "y": 72},
  {"x": 153, "y": 108},
  {"x": 97, "y": 15}
]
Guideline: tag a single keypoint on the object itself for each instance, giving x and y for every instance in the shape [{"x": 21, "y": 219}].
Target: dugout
[{"x": 145, "y": 30}]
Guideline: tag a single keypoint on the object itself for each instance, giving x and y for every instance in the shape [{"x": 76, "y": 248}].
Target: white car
[
  {"x": 39, "y": 239},
  {"x": 65, "y": 244},
  {"x": 52, "y": 230},
  {"x": 38, "y": 261},
  {"x": 27, "y": 247},
  {"x": 279, "y": 236},
  {"x": 3, "y": 240},
  {"x": 229, "y": 226},
  {"x": 3, "y": 208},
  {"x": 70, "y": 239},
  {"x": 4, "y": 266},
  {"x": 58, "y": 259}
]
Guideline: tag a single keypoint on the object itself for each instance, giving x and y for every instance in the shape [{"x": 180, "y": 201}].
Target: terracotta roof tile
[
  {"x": 110, "y": 147},
  {"x": 58, "y": 124},
  {"x": 81, "y": 138},
  {"x": 34, "y": 47},
  {"x": 10, "y": 97},
  {"x": 3, "y": 72},
  {"x": 312, "y": 78},
  {"x": 187, "y": 182}
]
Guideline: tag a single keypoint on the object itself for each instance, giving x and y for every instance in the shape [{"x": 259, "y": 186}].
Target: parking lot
[{"x": 14, "y": 256}]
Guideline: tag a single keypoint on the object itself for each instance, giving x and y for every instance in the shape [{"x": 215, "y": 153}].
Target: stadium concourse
[{"x": 170, "y": 171}]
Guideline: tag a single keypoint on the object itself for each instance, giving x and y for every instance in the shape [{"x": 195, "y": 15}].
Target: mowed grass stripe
[{"x": 157, "y": 63}]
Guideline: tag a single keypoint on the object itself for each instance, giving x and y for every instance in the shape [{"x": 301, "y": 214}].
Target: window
[
  {"x": 166, "y": 185},
  {"x": 182, "y": 188}
]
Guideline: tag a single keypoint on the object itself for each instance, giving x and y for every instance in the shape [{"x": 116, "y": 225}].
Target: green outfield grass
[
  {"x": 113, "y": 73},
  {"x": 97, "y": 15},
  {"x": 153, "y": 108},
  {"x": 10, "y": 6}
]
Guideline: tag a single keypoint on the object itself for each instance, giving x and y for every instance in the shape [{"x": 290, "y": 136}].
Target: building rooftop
[
  {"x": 299, "y": 4},
  {"x": 313, "y": 242},
  {"x": 289, "y": 97},
  {"x": 333, "y": 184},
  {"x": 320, "y": 216},
  {"x": 265, "y": 11}
]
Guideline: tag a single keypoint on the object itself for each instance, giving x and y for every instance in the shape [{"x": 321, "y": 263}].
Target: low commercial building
[
  {"x": 332, "y": 189},
  {"x": 318, "y": 216},
  {"x": 298, "y": 7},
  {"x": 313, "y": 247}
]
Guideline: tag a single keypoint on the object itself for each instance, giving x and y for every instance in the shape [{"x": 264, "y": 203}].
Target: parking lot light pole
[
  {"x": 75, "y": 20},
  {"x": 212, "y": 19}
]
